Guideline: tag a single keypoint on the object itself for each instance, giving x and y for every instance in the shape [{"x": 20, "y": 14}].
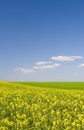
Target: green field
[
  {"x": 41, "y": 106},
  {"x": 57, "y": 85}
]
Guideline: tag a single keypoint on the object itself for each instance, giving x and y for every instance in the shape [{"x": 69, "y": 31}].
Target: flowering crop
[{"x": 34, "y": 108}]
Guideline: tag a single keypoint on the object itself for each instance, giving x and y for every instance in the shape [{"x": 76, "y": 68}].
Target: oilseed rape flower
[{"x": 33, "y": 108}]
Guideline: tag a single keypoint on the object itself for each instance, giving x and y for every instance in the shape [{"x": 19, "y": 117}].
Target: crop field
[
  {"x": 57, "y": 85},
  {"x": 41, "y": 106}
]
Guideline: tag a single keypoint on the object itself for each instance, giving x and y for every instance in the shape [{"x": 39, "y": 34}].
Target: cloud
[
  {"x": 24, "y": 70},
  {"x": 51, "y": 66},
  {"x": 38, "y": 66},
  {"x": 65, "y": 58},
  {"x": 81, "y": 65},
  {"x": 43, "y": 63}
]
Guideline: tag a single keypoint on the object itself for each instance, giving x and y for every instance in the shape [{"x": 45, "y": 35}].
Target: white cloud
[
  {"x": 41, "y": 67},
  {"x": 81, "y": 65},
  {"x": 65, "y": 58},
  {"x": 43, "y": 63},
  {"x": 24, "y": 70}
]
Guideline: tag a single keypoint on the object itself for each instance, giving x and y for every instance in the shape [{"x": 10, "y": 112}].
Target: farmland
[
  {"x": 42, "y": 106},
  {"x": 57, "y": 85}
]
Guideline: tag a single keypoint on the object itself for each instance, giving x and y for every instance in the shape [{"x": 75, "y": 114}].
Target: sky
[{"x": 42, "y": 40}]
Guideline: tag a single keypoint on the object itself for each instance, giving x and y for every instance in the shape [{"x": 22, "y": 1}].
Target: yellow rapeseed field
[{"x": 33, "y": 108}]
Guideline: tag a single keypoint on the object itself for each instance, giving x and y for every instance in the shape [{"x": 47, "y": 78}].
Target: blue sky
[{"x": 42, "y": 40}]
